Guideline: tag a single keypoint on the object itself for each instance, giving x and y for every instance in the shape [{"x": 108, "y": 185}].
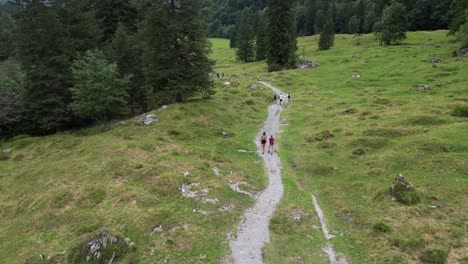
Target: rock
[
  {"x": 253, "y": 87},
  {"x": 437, "y": 60},
  {"x": 432, "y": 206},
  {"x": 226, "y": 134},
  {"x": 149, "y": 119},
  {"x": 227, "y": 83},
  {"x": 7, "y": 151},
  {"x": 402, "y": 191},
  {"x": 164, "y": 107},
  {"x": 423, "y": 88},
  {"x": 307, "y": 64},
  {"x": 103, "y": 244},
  {"x": 356, "y": 76},
  {"x": 186, "y": 174},
  {"x": 186, "y": 190},
  {"x": 216, "y": 171},
  {"x": 235, "y": 187},
  {"x": 157, "y": 229}
]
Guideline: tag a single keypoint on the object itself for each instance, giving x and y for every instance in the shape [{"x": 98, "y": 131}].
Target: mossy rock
[
  {"x": 408, "y": 196},
  {"x": 434, "y": 256}
]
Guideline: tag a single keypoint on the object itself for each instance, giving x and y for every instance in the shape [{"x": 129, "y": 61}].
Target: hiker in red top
[{"x": 272, "y": 143}]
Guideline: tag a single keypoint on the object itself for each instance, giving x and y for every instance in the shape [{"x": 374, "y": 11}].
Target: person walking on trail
[
  {"x": 281, "y": 98},
  {"x": 272, "y": 144},
  {"x": 274, "y": 98},
  {"x": 263, "y": 140}
]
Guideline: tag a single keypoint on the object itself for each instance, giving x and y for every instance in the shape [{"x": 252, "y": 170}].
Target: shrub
[
  {"x": 274, "y": 67},
  {"x": 434, "y": 256},
  {"x": 382, "y": 227},
  {"x": 460, "y": 110}
]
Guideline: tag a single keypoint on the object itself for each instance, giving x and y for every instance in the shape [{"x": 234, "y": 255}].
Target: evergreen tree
[
  {"x": 261, "y": 41},
  {"x": 310, "y": 17},
  {"x": 327, "y": 35},
  {"x": 97, "y": 92},
  {"x": 320, "y": 18},
  {"x": 7, "y": 27},
  {"x": 369, "y": 17},
  {"x": 457, "y": 11},
  {"x": 353, "y": 25},
  {"x": 282, "y": 43},
  {"x": 110, "y": 13},
  {"x": 245, "y": 38},
  {"x": 175, "y": 51},
  {"x": 43, "y": 46},
  {"x": 126, "y": 52},
  {"x": 392, "y": 27},
  {"x": 462, "y": 33}
]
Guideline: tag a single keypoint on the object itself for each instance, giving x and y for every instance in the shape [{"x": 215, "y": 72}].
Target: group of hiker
[
  {"x": 263, "y": 141},
  {"x": 280, "y": 97}
]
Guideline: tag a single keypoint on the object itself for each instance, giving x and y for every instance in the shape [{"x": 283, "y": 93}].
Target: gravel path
[{"x": 253, "y": 231}]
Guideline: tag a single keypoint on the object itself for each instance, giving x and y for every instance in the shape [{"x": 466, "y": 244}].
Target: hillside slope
[{"x": 61, "y": 191}]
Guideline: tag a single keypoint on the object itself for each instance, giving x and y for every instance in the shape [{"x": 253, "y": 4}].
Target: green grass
[
  {"x": 390, "y": 129},
  {"x": 345, "y": 142},
  {"x": 59, "y": 191}
]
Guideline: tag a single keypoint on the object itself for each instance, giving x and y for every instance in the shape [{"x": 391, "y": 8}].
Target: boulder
[
  {"x": 437, "y": 60},
  {"x": 253, "y": 87},
  {"x": 149, "y": 119},
  {"x": 307, "y": 64},
  {"x": 7, "y": 151},
  {"x": 403, "y": 192},
  {"x": 423, "y": 88}
]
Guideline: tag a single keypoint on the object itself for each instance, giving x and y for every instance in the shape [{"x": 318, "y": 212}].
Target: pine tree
[
  {"x": 126, "y": 52},
  {"x": 175, "y": 51},
  {"x": 7, "y": 27},
  {"x": 245, "y": 38},
  {"x": 353, "y": 25},
  {"x": 327, "y": 35},
  {"x": 320, "y": 18},
  {"x": 261, "y": 40},
  {"x": 43, "y": 45},
  {"x": 282, "y": 43},
  {"x": 392, "y": 26},
  {"x": 110, "y": 13},
  {"x": 97, "y": 93},
  {"x": 369, "y": 17}
]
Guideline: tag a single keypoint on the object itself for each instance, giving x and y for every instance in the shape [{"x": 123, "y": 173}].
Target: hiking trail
[
  {"x": 253, "y": 231},
  {"x": 254, "y": 228}
]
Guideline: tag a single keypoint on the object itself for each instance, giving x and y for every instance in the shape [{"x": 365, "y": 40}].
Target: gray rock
[
  {"x": 186, "y": 174},
  {"x": 216, "y": 171},
  {"x": 423, "y": 88},
  {"x": 149, "y": 119},
  {"x": 253, "y": 87},
  {"x": 226, "y": 134},
  {"x": 7, "y": 151},
  {"x": 437, "y": 60}
]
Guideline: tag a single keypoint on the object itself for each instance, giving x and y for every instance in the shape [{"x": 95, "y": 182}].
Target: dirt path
[{"x": 254, "y": 228}]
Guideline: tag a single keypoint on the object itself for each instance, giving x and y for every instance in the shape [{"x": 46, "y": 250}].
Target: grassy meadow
[
  {"x": 348, "y": 138},
  {"x": 344, "y": 142}
]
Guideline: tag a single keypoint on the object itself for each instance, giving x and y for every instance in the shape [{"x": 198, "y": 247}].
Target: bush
[
  {"x": 460, "y": 110},
  {"x": 382, "y": 227},
  {"x": 274, "y": 67},
  {"x": 434, "y": 256}
]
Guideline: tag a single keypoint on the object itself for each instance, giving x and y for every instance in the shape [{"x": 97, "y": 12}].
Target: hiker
[
  {"x": 281, "y": 98},
  {"x": 289, "y": 97},
  {"x": 271, "y": 146},
  {"x": 263, "y": 140},
  {"x": 274, "y": 98},
  {"x": 217, "y": 75}
]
